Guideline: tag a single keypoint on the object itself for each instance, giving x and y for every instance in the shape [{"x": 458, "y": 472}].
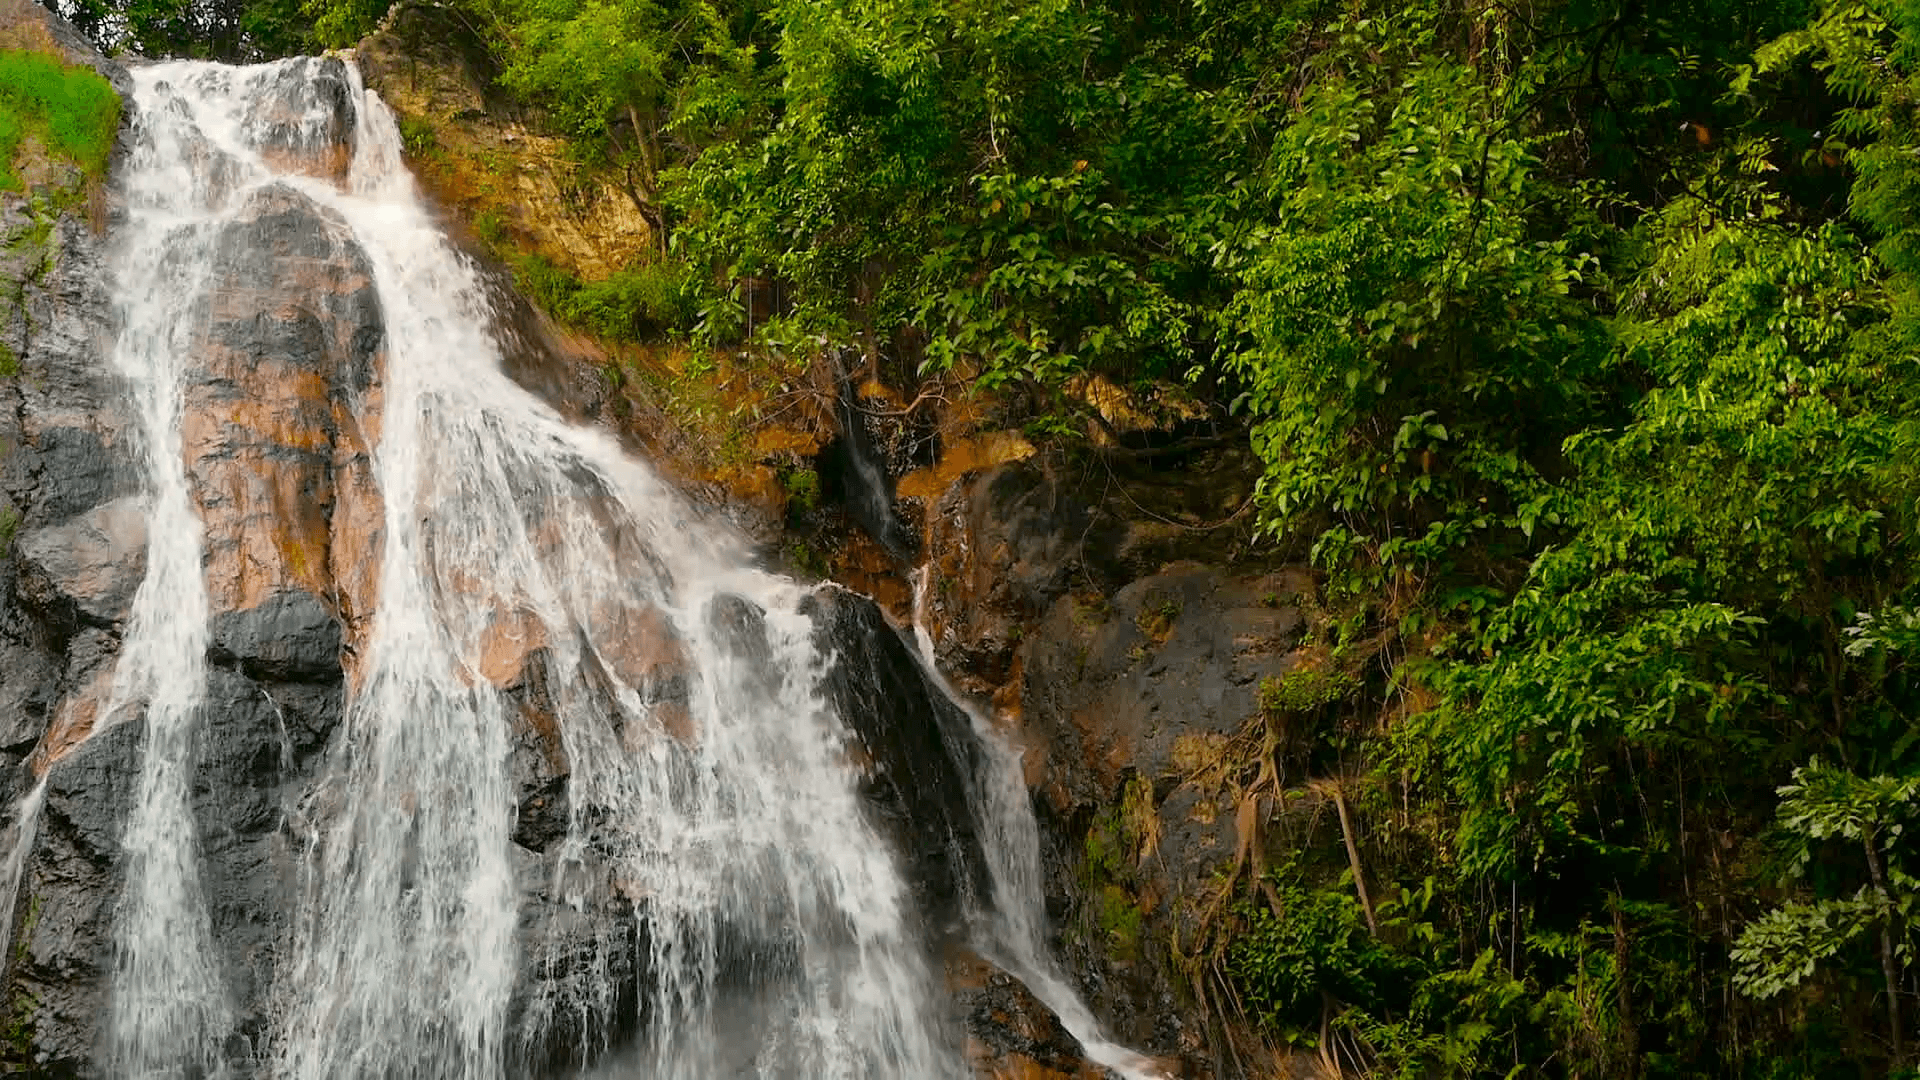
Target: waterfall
[
  {"x": 1015, "y": 929},
  {"x": 169, "y": 1009},
  {"x": 708, "y": 792},
  {"x": 26, "y": 826}
]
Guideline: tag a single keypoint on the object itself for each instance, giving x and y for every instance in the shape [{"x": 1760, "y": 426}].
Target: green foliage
[
  {"x": 1408, "y": 331},
  {"x": 71, "y": 111},
  {"x": 1304, "y": 690},
  {"x": 643, "y": 301},
  {"x": 805, "y": 560},
  {"x": 417, "y": 134},
  {"x": 802, "y": 486},
  {"x": 1305, "y": 946},
  {"x": 1786, "y": 946},
  {"x": 231, "y": 30},
  {"x": 339, "y": 23},
  {"x": 1579, "y": 342}
]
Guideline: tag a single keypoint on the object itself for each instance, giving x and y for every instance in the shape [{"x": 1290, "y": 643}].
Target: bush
[
  {"x": 1316, "y": 948},
  {"x": 649, "y": 300}
]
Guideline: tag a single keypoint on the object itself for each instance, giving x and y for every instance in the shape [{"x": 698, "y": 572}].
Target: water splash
[{"x": 1015, "y": 928}]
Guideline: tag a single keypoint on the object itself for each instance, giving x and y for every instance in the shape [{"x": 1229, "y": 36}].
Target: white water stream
[
  {"x": 1016, "y": 928},
  {"x": 709, "y": 791}
]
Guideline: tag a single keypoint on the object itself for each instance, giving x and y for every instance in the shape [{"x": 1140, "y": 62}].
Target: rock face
[
  {"x": 72, "y": 544},
  {"x": 1128, "y": 670},
  {"x": 428, "y": 63},
  {"x": 280, "y": 409},
  {"x": 1012, "y": 1035},
  {"x": 921, "y": 755}
]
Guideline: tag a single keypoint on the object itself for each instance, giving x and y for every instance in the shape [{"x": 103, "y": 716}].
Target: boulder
[
  {"x": 85, "y": 572},
  {"x": 922, "y": 758},
  {"x": 1010, "y": 1033},
  {"x": 291, "y": 344},
  {"x": 290, "y": 636}
]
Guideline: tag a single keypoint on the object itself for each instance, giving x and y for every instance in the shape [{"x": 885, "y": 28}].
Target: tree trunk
[
  {"x": 1889, "y": 966},
  {"x": 1353, "y": 857}
]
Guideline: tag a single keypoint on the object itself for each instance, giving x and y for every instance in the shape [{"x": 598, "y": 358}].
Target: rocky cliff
[{"x": 281, "y": 408}]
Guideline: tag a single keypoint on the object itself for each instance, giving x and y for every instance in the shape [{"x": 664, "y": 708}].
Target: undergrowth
[
  {"x": 642, "y": 302},
  {"x": 71, "y": 111}
]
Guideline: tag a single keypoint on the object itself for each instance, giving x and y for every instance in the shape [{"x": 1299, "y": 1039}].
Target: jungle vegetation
[{"x": 1580, "y": 340}]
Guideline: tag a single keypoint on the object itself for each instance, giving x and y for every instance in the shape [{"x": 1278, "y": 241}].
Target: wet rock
[
  {"x": 1116, "y": 683},
  {"x": 306, "y": 122},
  {"x": 63, "y": 930},
  {"x": 1011, "y": 1034},
  {"x": 256, "y": 743},
  {"x": 292, "y": 337},
  {"x": 77, "y": 472},
  {"x": 1005, "y": 544},
  {"x": 86, "y": 571},
  {"x": 1122, "y": 696},
  {"x": 858, "y": 475},
  {"x": 289, "y": 636},
  {"x": 581, "y": 938},
  {"x": 1007, "y": 541},
  {"x": 922, "y": 754},
  {"x": 86, "y": 695},
  {"x": 537, "y": 760},
  {"x": 29, "y": 684}
]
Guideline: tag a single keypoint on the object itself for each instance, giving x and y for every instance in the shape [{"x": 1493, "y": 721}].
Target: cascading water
[
  {"x": 709, "y": 794},
  {"x": 169, "y": 1009},
  {"x": 1015, "y": 930},
  {"x": 26, "y": 825}
]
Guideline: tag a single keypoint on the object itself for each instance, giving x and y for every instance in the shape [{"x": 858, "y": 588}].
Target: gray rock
[
  {"x": 291, "y": 636},
  {"x": 77, "y": 472},
  {"x": 924, "y": 755},
  {"x": 63, "y": 955},
  {"x": 1113, "y": 688},
  {"x": 29, "y": 682},
  {"x": 86, "y": 571}
]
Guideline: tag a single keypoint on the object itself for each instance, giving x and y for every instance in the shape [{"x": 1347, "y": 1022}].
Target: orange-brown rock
[
  {"x": 271, "y": 429},
  {"x": 73, "y": 721},
  {"x": 357, "y": 529},
  {"x": 426, "y": 63},
  {"x": 507, "y": 644},
  {"x": 637, "y": 643}
]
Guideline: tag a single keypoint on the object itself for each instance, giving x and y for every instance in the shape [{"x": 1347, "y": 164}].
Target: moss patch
[{"x": 68, "y": 112}]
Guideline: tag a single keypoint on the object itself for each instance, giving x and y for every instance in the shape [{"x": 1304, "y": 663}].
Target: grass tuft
[{"x": 70, "y": 110}]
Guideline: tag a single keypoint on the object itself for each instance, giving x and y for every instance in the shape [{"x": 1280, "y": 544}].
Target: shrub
[{"x": 647, "y": 300}]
